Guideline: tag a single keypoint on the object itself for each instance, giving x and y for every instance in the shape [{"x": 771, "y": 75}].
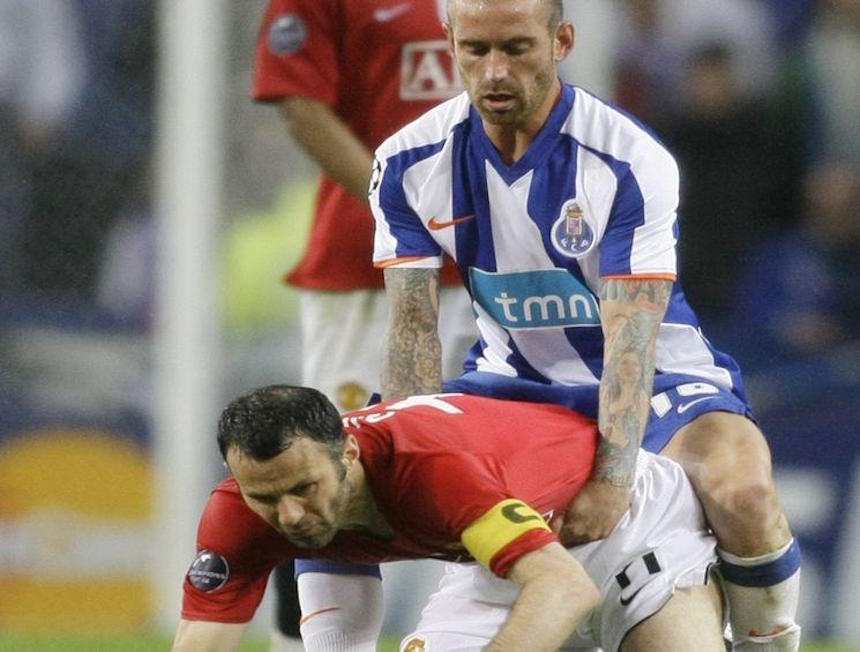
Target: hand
[{"x": 593, "y": 513}]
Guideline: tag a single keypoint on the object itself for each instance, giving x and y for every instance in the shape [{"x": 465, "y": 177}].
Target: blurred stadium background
[{"x": 148, "y": 210}]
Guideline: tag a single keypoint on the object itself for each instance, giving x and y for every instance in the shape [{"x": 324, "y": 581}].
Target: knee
[
  {"x": 749, "y": 494},
  {"x": 731, "y": 467}
]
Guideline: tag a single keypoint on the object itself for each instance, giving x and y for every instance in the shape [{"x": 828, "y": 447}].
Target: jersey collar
[{"x": 540, "y": 147}]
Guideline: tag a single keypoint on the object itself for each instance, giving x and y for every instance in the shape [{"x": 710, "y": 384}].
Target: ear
[
  {"x": 350, "y": 450},
  {"x": 565, "y": 36},
  {"x": 231, "y": 453}
]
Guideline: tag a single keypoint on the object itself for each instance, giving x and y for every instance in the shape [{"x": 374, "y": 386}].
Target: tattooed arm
[
  {"x": 412, "y": 353},
  {"x": 631, "y": 311}
]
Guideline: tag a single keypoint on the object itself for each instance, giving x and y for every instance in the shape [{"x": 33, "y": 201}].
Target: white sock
[{"x": 340, "y": 613}]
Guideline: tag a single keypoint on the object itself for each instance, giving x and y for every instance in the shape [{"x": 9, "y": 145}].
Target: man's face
[
  {"x": 302, "y": 492},
  {"x": 506, "y": 55}
]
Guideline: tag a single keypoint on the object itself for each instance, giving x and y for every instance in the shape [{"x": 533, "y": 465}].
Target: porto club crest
[{"x": 571, "y": 234}]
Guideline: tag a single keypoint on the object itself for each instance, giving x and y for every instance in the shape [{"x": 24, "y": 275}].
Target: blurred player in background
[
  {"x": 561, "y": 212},
  {"x": 460, "y": 478},
  {"x": 346, "y": 74}
]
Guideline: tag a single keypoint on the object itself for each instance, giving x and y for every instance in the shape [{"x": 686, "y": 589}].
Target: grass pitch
[{"x": 42, "y": 642}]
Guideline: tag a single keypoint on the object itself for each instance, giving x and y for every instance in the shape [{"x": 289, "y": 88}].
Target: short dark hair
[{"x": 266, "y": 421}]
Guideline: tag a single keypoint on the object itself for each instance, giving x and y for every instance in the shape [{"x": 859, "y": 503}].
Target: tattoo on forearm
[
  {"x": 412, "y": 353},
  {"x": 632, "y": 311}
]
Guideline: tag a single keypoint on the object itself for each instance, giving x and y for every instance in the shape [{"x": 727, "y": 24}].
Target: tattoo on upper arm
[
  {"x": 412, "y": 359},
  {"x": 632, "y": 310}
]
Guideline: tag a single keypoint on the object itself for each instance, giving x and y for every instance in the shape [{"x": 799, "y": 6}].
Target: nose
[
  {"x": 290, "y": 511},
  {"x": 497, "y": 66}
]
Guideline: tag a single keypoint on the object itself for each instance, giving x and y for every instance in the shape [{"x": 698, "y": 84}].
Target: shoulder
[
  {"x": 430, "y": 129},
  {"x": 228, "y": 523},
  {"x": 617, "y": 136}
]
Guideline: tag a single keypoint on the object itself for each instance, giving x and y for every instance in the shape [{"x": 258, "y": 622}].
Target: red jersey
[
  {"x": 379, "y": 64},
  {"x": 457, "y": 477}
]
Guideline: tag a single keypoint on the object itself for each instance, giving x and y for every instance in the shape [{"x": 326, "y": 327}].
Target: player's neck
[
  {"x": 513, "y": 141},
  {"x": 362, "y": 512}
]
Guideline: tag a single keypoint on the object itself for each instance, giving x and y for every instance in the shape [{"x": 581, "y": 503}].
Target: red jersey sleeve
[
  {"x": 236, "y": 552},
  {"x": 296, "y": 52}
]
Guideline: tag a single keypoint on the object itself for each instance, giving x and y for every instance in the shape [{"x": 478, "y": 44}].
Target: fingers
[{"x": 574, "y": 536}]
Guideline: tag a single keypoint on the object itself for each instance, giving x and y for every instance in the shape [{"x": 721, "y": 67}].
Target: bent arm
[
  {"x": 206, "y": 636},
  {"x": 556, "y": 595},
  {"x": 330, "y": 142},
  {"x": 631, "y": 313},
  {"x": 412, "y": 353}
]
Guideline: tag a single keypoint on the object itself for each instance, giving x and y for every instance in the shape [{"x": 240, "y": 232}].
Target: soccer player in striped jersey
[{"x": 560, "y": 211}]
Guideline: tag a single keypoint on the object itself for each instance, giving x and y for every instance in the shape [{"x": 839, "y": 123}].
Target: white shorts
[
  {"x": 342, "y": 338},
  {"x": 660, "y": 544}
]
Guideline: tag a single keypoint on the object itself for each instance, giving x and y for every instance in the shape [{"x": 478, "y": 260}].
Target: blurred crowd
[
  {"x": 77, "y": 85},
  {"x": 756, "y": 98}
]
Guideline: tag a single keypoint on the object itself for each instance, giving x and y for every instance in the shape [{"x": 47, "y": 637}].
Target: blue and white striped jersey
[{"x": 594, "y": 196}]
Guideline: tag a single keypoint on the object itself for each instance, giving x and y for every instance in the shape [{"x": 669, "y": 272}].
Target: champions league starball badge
[
  {"x": 571, "y": 235},
  {"x": 287, "y": 34},
  {"x": 209, "y": 571}
]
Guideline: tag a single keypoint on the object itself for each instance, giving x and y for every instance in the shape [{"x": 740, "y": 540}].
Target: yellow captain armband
[{"x": 499, "y": 526}]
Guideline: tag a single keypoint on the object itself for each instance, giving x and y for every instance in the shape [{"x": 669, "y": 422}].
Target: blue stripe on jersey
[
  {"x": 588, "y": 343},
  {"x": 552, "y": 184},
  {"x": 470, "y": 197},
  {"x": 627, "y": 213},
  {"x": 411, "y": 235},
  {"x": 678, "y": 311}
]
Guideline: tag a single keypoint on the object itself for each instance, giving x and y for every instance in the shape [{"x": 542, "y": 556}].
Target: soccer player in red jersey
[{"x": 453, "y": 477}]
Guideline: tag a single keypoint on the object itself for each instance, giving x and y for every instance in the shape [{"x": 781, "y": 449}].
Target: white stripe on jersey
[{"x": 516, "y": 238}]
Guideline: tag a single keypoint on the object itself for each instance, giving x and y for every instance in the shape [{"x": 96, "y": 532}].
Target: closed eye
[
  {"x": 304, "y": 489},
  {"x": 475, "y": 48},
  {"x": 263, "y": 499},
  {"x": 517, "y": 47}
]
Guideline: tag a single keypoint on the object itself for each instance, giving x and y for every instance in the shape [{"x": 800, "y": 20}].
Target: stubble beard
[
  {"x": 329, "y": 528},
  {"x": 525, "y": 104}
]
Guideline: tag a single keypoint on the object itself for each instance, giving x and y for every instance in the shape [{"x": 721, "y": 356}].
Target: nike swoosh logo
[
  {"x": 624, "y": 602},
  {"x": 686, "y": 406},
  {"x": 435, "y": 225},
  {"x": 387, "y": 14}
]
